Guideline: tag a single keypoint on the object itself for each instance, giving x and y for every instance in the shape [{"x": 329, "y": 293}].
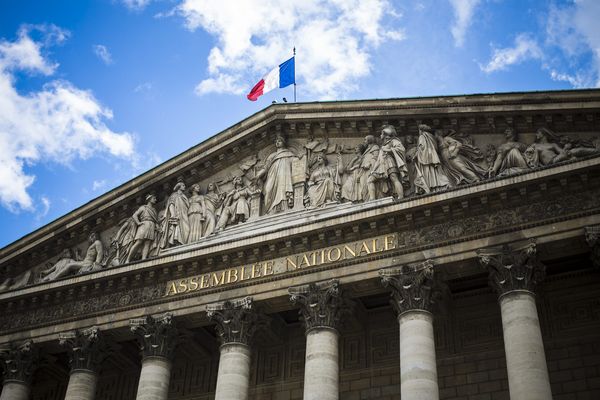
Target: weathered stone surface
[
  {"x": 321, "y": 304},
  {"x": 237, "y": 320},
  {"x": 157, "y": 335},
  {"x": 19, "y": 362},
  {"x": 412, "y": 286},
  {"x": 86, "y": 348}
]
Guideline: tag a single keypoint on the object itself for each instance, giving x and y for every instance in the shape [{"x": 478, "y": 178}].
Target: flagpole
[{"x": 294, "y": 74}]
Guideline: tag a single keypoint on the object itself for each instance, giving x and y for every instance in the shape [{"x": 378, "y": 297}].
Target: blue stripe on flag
[{"x": 287, "y": 73}]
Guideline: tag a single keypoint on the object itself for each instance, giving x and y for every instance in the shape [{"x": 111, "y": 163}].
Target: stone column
[
  {"x": 86, "y": 353},
  {"x": 514, "y": 273},
  {"x": 412, "y": 293},
  {"x": 237, "y": 321},
  {"x": 19, "y": 363},
  {"x": 321, "y": 305},
  {"x": 158, "y": 338}
]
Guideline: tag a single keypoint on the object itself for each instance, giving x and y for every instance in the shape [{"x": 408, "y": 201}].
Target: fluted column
[
  {"x": 321, "y": 305},
  {"x": 237, "y": 321},
  {"x": 86, "y": 353},
  {"x": 514, "y": 273},
  {"x": 412, "y": 293},
  {"x": 19, "y": 362},
  {"x": 158, "y": 338}
]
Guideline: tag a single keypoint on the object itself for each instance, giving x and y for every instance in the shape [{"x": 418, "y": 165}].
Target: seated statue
[
  {"x": 236, "y": 206},
  {"x": 322, "y": 185},
  {"x": 509, "y": 157},
  {"x": 67, "y": 266}
]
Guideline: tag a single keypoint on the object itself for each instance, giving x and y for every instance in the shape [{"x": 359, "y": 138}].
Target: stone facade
[{"x": 251, "y": 266}]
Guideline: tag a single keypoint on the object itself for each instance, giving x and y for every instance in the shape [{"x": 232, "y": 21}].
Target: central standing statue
[
  {"x": 175, "y": 226},
  {"x": 390, "y": 164},
  {"x": 277, "y": 190}
]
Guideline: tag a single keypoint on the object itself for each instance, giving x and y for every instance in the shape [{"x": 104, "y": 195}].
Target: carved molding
[
  {"x": 157, "y": 335},
  {"x": 412, "y": 286},
  {"x": 592, "y": 236},
  {"x": 513, "y": 268},
  {"x": 87, "y": 349},
  {"x": 19, "y": 361},
  {"x": 321, "y": 304},
  {"x": 237, "y": 320}
]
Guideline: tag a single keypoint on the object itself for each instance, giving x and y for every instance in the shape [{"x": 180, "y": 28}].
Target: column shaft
[
  {"x": 321, "y": 374},
  {"x": 15, "y": 391},
  {"x": 418, "y": 369},
  {"x": 525, "y": 358},
  {"x": 82, "y": 385},
  {"x": 233, "y": 377},
  {"x": 154, "y": 379}
]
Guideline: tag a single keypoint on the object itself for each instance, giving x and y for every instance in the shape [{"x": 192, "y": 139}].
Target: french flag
[{"x": 279, "y": 77}]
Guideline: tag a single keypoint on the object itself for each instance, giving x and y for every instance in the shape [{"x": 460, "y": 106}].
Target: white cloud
[
  {"x": 136, "y": 5},
  {"x": 98, "y": 184},
  {"x": 525, "y": 48},
  {"x": 463, "y": 14},
  {"x": 58, "y": 123},
  {"x": 335, "y": 40},
  {"x": 45, "y": 208},
  {"x": 143, "y": 87},
  {"x": 103, "y": 53}
]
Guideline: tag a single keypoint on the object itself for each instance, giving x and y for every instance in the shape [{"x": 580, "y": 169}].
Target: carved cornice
[
  {"x": 237, "y": 320},
  {"x": 321, "y": 304},
  {"x": 87, "y": 349},
  {"x": 157, "y": 335},
  {"x": 412, "y": 286},
  {"x": 19, "y": 362},
  {"x": 592, "y": 236},
  {"x": 515, "y": 268}
]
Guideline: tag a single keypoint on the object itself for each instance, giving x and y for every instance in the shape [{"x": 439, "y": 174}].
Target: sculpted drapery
[
  {"x": 322, "y": 185},
  {"x": 175, "y": 226},
  {"x": 277, "y": 175},
  {"x": 429, "y": 172}
]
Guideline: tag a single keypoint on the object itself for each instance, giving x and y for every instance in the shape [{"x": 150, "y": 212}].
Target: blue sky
[{"x": 94, "y": 93}]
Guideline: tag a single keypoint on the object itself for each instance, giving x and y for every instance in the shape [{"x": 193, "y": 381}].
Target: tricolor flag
[{"x": 279, "y": 77}]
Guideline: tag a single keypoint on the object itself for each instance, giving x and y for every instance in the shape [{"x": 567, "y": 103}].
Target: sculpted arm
[{"x": 99, "y": 252}]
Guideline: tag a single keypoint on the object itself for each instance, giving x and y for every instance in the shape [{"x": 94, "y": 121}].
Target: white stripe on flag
[{"x": 271, "y": 80}]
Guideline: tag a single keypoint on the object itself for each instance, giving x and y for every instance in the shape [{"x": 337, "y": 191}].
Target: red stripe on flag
[{"x": 256, "y": 91}]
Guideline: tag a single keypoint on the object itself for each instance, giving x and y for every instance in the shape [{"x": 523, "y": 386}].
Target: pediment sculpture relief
[{"x": 322, "y": 172}]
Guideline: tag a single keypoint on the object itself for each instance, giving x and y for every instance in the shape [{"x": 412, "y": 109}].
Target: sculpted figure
[
  {"x": 509, "y": 156},
  {"x": 146, "y": 225},
  {"x": 354, "y": 182},
  {"x": 322, "y": 183},
  {"x": 411, "y": 159},
  {"x": 458, "y": 158},
  {"x": 66, "y": 265},
  {"x": 123, "y": 240},
  {"x": 212, "y": 203},
  {"x": 582, "y": 149},
  {"x": 369, "y": 159},
  {"x": 196, "y": 214},
  {"x": 429, "y": 172},
  {"x": 390, "y": 164},
  {"x": 545, "y": 150},
  {"x": 175, "y": 226},
  {"x": 277, "y": 190},
  {"x": 236, "y": 206}
]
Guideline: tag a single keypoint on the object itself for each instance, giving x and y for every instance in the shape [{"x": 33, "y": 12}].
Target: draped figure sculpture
[
  {"x": 66, "y": 265},
  {"x": 278, "y": 192},
  {"x": 146, "y": 223},
  {"x": 429, "y": 172},
  {"x": 458, "y": 158},
  {"x": 175, "y": 225},
  {"x": 196, "y": 214},
  {"x": 236, "y": 206},
  {"x": 509, "y": 156},
  {"x": 390, "y": 165},
  {"x": 322, "y": 184},
  {"x": 369, "y": 159},
  {"x": 212, "y": 202},
  {"x": 354, "y": 181}
]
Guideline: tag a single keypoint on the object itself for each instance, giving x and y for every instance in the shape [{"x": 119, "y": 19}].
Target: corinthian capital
[
  {"x": 321, "y": 304},
  {"x": 412, "y": 286},
  {"x": 513, "y": 268},
  {"x": 237, "y": 320},
  {"x": 19, "y": 361},
  {"x": 157, "y": 335},
  {"x": 86, "y": 349},
  {"x": 592, "y": 237}
]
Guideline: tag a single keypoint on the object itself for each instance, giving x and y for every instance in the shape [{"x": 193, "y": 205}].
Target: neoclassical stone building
[{"x": 423, "y": 248}]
